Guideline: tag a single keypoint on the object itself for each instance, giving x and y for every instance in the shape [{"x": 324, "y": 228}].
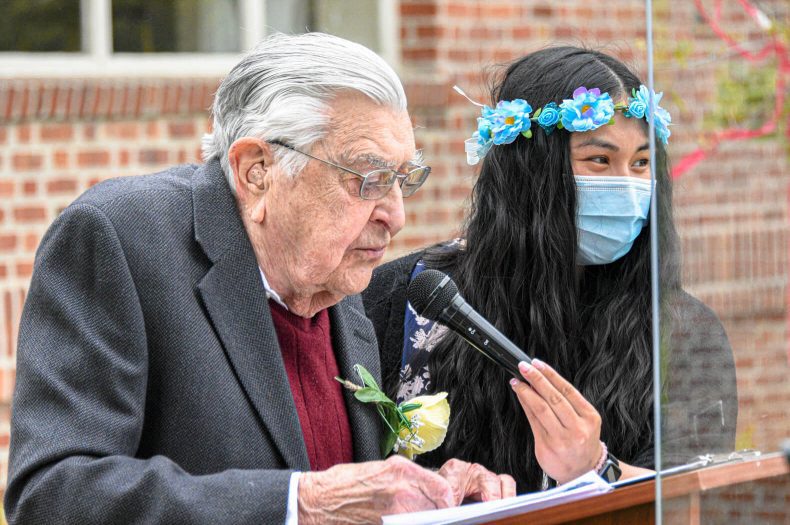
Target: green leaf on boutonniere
[
  {"x": 367, "y": 377},
  {"x": 413, "y": 427},
  {"x": 372, "y": 395}
]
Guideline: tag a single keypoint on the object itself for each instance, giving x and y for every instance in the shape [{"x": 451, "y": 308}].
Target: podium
[{"x": 752, "y": 491}]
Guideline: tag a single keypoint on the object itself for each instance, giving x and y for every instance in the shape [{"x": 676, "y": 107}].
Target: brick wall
[{"x": 58, "y": 137}]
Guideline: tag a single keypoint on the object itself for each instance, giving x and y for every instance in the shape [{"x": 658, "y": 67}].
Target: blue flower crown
[{"x": 589, "y": 109}]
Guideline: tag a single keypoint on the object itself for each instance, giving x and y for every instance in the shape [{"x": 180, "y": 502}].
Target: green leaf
[
  {"x": 528, "y": 133},
  {"x": 387, "y": 443},
  {"x": 390, "y": 417},
  {"x": 366, "y": 376},
  {"x": 537, "y": 113},
  {"x": 403, "y": 421},
  {"x": 409, "y": 406},
  {"x": 559, "y": 125},
  {"x": 372, "y": 395},
  {"x": 611, "y": 121}
]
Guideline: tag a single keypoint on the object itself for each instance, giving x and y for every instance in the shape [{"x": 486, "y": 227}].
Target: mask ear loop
[
  {"x": 472, "y": 148},
  {"x": 461, "y": 92}
]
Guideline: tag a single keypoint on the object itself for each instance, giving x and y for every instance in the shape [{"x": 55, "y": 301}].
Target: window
[
  {"x": 73, "y": 38},
  {"x": 40, "y": 26}
]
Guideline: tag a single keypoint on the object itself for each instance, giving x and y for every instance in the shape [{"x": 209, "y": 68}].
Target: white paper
[{"x": 584, "y": 486}]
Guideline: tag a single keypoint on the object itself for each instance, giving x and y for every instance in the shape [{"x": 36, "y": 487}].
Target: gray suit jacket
[{"x": 150, "y": 385}]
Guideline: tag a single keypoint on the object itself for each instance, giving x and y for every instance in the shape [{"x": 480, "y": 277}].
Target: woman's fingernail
[
  {"x": 537, "y": 363},
  {"x": 513, "y": 382},
  {"x": 524, "y": 366}
]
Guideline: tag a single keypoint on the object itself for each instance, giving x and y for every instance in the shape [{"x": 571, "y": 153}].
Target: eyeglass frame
[{"x": 400, "y": 177}]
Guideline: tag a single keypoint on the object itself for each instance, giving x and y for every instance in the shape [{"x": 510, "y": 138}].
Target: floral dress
[{"x": 420, "y": 336}]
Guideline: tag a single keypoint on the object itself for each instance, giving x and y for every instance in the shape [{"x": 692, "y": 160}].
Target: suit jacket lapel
[
  {"x": 235, "y": 300},
  {"x": 354, "y": 342}
]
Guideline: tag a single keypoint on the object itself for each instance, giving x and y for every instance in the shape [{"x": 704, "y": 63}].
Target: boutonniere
[{"x": 413, "y": 427}]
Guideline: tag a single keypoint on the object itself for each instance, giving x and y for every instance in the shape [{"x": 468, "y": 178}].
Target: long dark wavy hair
[{"x": 518, "y": 269}]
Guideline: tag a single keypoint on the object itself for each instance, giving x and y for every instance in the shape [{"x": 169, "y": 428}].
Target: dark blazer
[
  {"x": 150, "y": 385},
  {"x": 701, "y": 403}
]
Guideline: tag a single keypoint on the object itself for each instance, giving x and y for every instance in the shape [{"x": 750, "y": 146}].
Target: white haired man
[{"x": 182, "y": 330}]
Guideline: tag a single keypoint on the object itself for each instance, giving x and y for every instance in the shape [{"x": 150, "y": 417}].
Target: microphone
[{"x": 435, "y": 296}]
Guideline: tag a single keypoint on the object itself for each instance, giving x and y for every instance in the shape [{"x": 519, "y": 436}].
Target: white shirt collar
[{"x": 270, "y": 293}]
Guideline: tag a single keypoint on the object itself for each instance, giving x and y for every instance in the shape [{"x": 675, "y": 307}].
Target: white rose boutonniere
[{"x": 415, "y": 426}]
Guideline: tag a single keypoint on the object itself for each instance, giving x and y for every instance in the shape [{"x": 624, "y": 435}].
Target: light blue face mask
[{"x": 610, "y": 214}]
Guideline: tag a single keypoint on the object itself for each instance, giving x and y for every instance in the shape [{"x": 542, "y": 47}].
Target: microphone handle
[{"x": 483, "y": 336}]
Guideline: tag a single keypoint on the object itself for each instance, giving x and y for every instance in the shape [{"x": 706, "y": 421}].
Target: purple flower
[{"x": 587, "y": 110}]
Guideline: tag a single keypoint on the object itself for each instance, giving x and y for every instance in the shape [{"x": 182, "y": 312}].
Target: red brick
[
  {"x": 6, "y": 188},
  {"x": 31, "y": 242},
  {"x": 563, "y": 32},
  {"x": 60, "y": 159},
  {"x": 9, "y": 326},
  {"x": 153, "y": 156},
  {"x": 27, "y": 161},
  {"x": 122, "y": 130},
  {"x": 3, "y": 135},
  {"x": 408, "y": 9},
  {"x": 3, "y": 271},
  {"x": 23, "y": 133},
  {"x": 24, "y": 269},
  {"x": 89, "y": 131},
  {"x": 123, "y": 157},
  {"x": 93, "y": 158},
  {"x": 423, "y": 53},
  {"x": 430, "y": 32},
  {"x": 180, "y": 130},
  {"x": 8, "y": 242},
  {"x": 497, "y": 11},
  {"x": 30, "y": 214},
  {"x": 29, "y": 187},
  {"x": 152, "y": 130},
  {"x": 56, "y": 132},
  {"x": 543, "y": 11},
  {"x": 62, "y": 186},
  {"x": 459, "y": 10}
]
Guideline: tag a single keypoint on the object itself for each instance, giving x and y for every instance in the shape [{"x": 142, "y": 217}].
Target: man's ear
[{"x": 250, "y": 160}]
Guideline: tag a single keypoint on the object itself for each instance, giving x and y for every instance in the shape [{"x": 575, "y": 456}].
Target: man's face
[{"x": 316, "y": 228}]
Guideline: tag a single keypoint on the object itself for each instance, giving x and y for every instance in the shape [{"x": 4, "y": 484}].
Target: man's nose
[{"x": 389, "y": 210}]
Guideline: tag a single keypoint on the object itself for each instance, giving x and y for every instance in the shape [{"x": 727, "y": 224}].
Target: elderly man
[{"x": 182, "y": 330}]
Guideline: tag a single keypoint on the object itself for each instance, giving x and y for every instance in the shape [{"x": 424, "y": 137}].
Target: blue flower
[
  {"x": 639, "y": 107},
  {"x": 636, "y": 107},
  {"x": 549, "y": 116},
  {"x": 509, "y": 119},
  {"x": 587, "y": 110}
]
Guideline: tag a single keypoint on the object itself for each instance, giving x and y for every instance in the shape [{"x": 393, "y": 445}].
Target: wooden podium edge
[{"x": 767, "y": 466}]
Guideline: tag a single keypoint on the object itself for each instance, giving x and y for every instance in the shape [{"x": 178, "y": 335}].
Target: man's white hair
[{"x": 281, "y": 89}]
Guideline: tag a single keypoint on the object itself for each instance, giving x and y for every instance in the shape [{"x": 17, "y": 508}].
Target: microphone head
[{"x": 431, "y": 292}]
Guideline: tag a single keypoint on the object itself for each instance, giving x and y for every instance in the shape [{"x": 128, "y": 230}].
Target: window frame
[{"x": 98, "y": 59}]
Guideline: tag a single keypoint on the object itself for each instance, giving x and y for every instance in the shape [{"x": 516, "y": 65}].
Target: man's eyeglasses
[{"x": 377, "y": 183}]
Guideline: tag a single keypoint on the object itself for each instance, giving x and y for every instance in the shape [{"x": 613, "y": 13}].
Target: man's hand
[
  {"x": 473, "y": 481},
  {"x": 363, "y": 492}
]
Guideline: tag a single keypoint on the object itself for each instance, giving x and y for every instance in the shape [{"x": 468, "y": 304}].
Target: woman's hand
[{"x": 566, "y": 427}]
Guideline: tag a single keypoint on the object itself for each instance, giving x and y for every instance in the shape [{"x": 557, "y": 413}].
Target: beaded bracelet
[{"x": 604, "y": 455}]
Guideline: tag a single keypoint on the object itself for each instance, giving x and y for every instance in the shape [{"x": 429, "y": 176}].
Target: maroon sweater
[{"x": 306, "y": 346}]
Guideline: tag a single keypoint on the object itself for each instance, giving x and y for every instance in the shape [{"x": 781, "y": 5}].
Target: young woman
[{"x": 555, "y": 252}]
